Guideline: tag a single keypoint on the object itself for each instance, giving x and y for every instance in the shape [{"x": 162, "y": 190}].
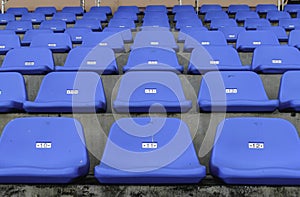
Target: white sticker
[
  {"x": 33, "y": 20},
  {"x": 29, "y": 63},
  {"x": 53, "y": 28},
  {"x": 78, "y": 37},
  {"x": 205, "y": 43},
  {"x": 292, "y": 26},
  {"x": 150, "y": 91},
  {"x": 256, "y": 145},
  {"x": 214, "y": 62},
  {"x": 43, "y": 145},
  {"x": 152, "y": 62},
  {"x": 19, "y": 28},
  {"x": 103, "y": 43},
  {"x": 154, "y": 43},
  {"x": 149, "y": 145},
  {"x": 122, "y": 26},
  {"x": 91, "y": 62},
  {"x": 276, "y": 61},
  {"x": 231, "y": 36},
  {"x": 2, "y": 46},
  {"x": 51, "y": 44},
  {"x": 231, "y": 91},
  {"x": 256, "y": 43},
  {"x": 72, "y": 92}
]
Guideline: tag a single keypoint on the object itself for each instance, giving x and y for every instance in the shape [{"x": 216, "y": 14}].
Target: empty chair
[
  {"x": 185, "y": 15},
  {"x": 218, "y": 22},
  {"x": 254, "y": 23},
  {"x": 44, "y": 156},
  {"x": 155, "y": 39},
  {"x": 92, "y": 24},
  {"x": 153, "y": 58},
  {"x": 210, "y": 7},
  {"x": 46, "y": 10},
  {"x": 107, "y": 39},
  {"x": 156, "y": 23},
  {"x": 213, "y": 58},
  {"x": 70, "y": 92},
  {"x": 77, "y": 10},
  {"x": 234, "y": 91},
  {"x": 156, "y": 8},
  {"x": 231, "y": 33},
  {"x": 209, "y": 16},
  {"x": 54, "y": 25},
  {"x": 154, "y": 28},
  {"x": 240, "y": 141},
  {"x": 294, "y": 39},
  {"x": 101, "y": 9},
  {"x": 289, "y": 23},
  {"x": 279, "y": 32},
  {"x": 98, "y": 59},
  {"x": 265, "y": 8},
  {"x": 35, "y": 18},
  {"x": 170, "y": 158},
  {"x": 125, "y": 33},
  {"x": 77, "y": 34},
  {"x": 275, "y": 59},
  {"x": 132, "y": 8},
  {"x": 65, "y": 16},
  {"x": 183, "y": 8},
  {"x": 28, "y": 61},
  {"x": 96, "y": 16},
  {"x": 243, "y": 15},
  {"x": 19, "y": 26},
  {"x": 32, "y": 33},
  {"x": 292, "y": 8},
  {"x": 234, "y": 8},
  {"x": 151, "y": 91},
  {"x": 125, "y": 15},
  {"x": 184, "y": 32},
  {"x": 249, "y": 40},
  {"x": 58, "y": 42},
  {"x": 8, "y": 42},
  {"x": 122, "y": 23},
  {"x": 17, "y": 11},
  {"x": 5, "y": 18},
  {"x": 206, "y": 38},
  {"x": 188, "y": 23},
  {"x": 13, "y": 92},
  {"x": 275, "y": 16}
]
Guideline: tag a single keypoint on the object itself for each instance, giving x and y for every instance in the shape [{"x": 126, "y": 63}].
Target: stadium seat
[
  {"x": 279, "y": 32},
  {"x": 188, "y": 23},
  {"x": 292, "y": 8},
  {"x": 184, "y": 32},
  {"x": 19, "y": 26},
  {"x": 156, "y": 8},
  {"x": 133, "y": 9},
  {"x": 156, "y": 23},
  {"x": 265, "y": 8},
  {"x": 101, "y": 17},
  {"x": 101, "y": 9},
  {"x": 275, "y": 16},
  {"x": 289, "y": 23},
  {"x": 122, "y": 23},
  {"x": 234, "y": 91},
  {"x": 275, "y": 59},
  {"x": 74, "y": 92},
  {"x": 98, "y": 59},
  {"x": 163, "y": 39},
  {"x": 254, "y": 23},
  {"x": 13, "y": 92},
  {"x": 213, "y": 58},
  {"x": 125, "y": 15},
  {"x": 240, "y": 141},
  {"x": 5, "y": 18},
  {"x": 35, "y": 18},
  {"x": 289, "y": 92},
  {"x": 29, "y": 61},
  {"x": 106, "y": 39},
  {"x": 231, "y": 33},
  {"x": 247, "y": 41},
  {"x": 154, "y": 28},
  {"x": 67, "y": 17},
  {"x": 182, "y": 8},
  {"x": 210, "y": 7},
  {"x": 77, "y": 34},
  {"x": 57, "y": 26},
  {"x": 170, "y": 159},
  {"x": 294, "y": 39},
  {"x": 47, "y": 11},
  {"x": 92, "y": 24},
  {"x": 185, "y": 15},
  {"x": 56, "y": 42},
  {"x": 5, "y": 31},
  {"x": 217, "y": 23},
  {"x": 241, "y": 16},
  {"x": 32, "y": 33},
  {"x": 8, "y": 42},
  {"x": 125, "y": 33},
  {"x": 17, "y": 11},
  {"x": 234, "y": 8},
  {"x": 209, "y": 16},
  {"x": 154, "y": 91},
  {"x": 44, "y": 156},
  {"x": 152, "y": 58},
  {"x": 77, "y": 10},
  {"x": 206, "y": 38}
]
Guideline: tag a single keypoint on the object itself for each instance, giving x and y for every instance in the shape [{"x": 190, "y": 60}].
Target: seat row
[{"x": 150, "y": 151}]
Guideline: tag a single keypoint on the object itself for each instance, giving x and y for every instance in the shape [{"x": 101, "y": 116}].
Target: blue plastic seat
[
  {"x": 209, "y": 16},
  {"x": 163, "y": 39},
  {"x": 170, "y": 158},
  {"x": 58, "y": 26},
  {"x": 185, "y": 15},
  {"x": 32, "y": 33},
  {"x": 294, "y": 39},
  {"x": 77, "y": 10},
  {"x": 155, "y": 16},
  {"x": 279, "y": 32},
  {"x": 101, "y": 9},
  {"x": 17, "y": 11},
  {"x": 35, "y": 18},
  {"x": 247, "y": 41},
  {"x": 77, "y": 34},
  {"x": 46, "y": 10},
  {"x": 156, "y": 8},
  {"x": 154, "y": 91},
  {"x": 254, "y": 23},
  {"x": 154, "y": 28},
  {"x": 240, "y": 141},
  {"x": 94, "y": 15},
  {"x": 92, "y": 24},
  {"x": 218, "y": 23},
  {"x": 214, "y": 58},
  {"x": 56, "y": 42},
  {"x": 182, "y": 8},
  {"x": 44, "y": 156},
  {"x": 19, "y": 26},
  {"x": 125, "y": 15},
  {"x": 156, "y": 23},
  {"x": 241, "y": 16},
  {"x": 98, "y": 59},
  {"x": 289, "y": 23},
  {"x": 125, "y": 33},
  {"x": 122, "y": 23},
  {"x": 234, "y": 91},
  {"x": 210, "y": 7},
  {"x": 5, "y": 31},
  {"x": 231, "y": 33},
  {"x": 13, "y": 92},
  {"x": 106, "y": 39},
  {"x": 5, "y": 18},
  {"x": 132, "y": 8},
  {"x": 188, "y": 23},
  {"x": 234, "y": 8},
  {"x": 265, "y": 8},
  {"x": 289, "y": 98},
  {"x": 29, "y": 61},
  {"x": 80, "y": 92},
  {"x": 184, "y": 32},
  {"x": 153, "y": 59},
  {"x": 275, "y": 59},
  {"x": 8, "y": 42},
  {"x": 206, "y": 38},
  {"x": 67, "y": 17},
  {"x": 292, "y": 8},
  {"x": 275, "y": 16}
]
